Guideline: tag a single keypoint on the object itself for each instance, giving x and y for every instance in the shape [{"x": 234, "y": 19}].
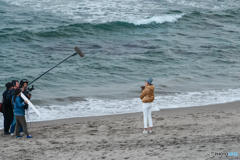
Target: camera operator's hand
[
  {"x": 26, "y": 102},
  {"x": 29, "y": 96}
]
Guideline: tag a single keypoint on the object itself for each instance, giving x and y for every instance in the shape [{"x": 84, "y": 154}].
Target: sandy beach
[{"x": 192, "y": 133}]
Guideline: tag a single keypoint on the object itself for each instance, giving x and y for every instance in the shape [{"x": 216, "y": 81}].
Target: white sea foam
[
  {"x": 97, "y": 107},
  {"x": 157, "y": 19},
  {"x": 94, "y": 11},
  {"x": 134, "y": 11}
]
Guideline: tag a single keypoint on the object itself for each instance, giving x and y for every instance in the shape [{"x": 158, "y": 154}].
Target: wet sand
[{"x": 191, "y": 133}]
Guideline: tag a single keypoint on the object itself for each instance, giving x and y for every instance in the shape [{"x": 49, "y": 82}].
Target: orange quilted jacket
[{"x": 147, "y": 95}]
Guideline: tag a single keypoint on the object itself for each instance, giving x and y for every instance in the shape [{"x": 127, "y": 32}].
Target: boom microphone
[{"x": 78, "y": 51}]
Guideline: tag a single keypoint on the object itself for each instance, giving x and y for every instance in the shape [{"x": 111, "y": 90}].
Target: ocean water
[{"x": 189, "y": 47}]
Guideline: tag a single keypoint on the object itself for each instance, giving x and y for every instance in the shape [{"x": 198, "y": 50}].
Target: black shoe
[{"x": 6, "y": 133}]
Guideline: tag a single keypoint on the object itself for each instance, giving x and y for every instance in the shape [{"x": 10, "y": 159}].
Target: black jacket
[
  {"x": 7, "y": 105},
  {"x": 5, "y": 101}
]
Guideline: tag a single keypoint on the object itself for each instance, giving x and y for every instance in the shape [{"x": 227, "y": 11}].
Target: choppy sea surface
[{"x": 189, "y": 47}]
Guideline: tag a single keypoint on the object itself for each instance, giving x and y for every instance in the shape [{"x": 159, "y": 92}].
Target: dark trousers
[
  {"x": 8, "y": 117},
  {"x": 20, "y": 120}
]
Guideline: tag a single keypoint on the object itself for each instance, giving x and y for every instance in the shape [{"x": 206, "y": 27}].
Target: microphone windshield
[{"x": 78, "y": 51}]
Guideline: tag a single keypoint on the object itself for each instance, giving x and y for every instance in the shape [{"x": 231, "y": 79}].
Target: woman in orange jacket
[{"x": 147, "y": 98}]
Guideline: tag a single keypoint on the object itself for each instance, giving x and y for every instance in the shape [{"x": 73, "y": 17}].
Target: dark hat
[{"x": 8, "y": 85}]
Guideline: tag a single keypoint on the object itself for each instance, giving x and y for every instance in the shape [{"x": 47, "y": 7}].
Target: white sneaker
[
  {"x": 21, "y": 134},
  {"x": 150, "y": 131},
  {"x": 12, "y": 134},
  {"x": 145, "y": 131}
]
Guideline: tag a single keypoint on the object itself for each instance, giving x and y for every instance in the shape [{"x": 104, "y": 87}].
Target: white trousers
[{"x": 147, "y": 114}]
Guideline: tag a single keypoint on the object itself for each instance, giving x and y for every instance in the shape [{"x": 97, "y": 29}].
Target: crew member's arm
[
  {"x": 9, "y": 94},
  {"x": 19, "y": 103},
  {"x": 27, "y": 94}
]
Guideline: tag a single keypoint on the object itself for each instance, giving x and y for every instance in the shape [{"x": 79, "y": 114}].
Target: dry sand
[{"x": 182, "y": 134}]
